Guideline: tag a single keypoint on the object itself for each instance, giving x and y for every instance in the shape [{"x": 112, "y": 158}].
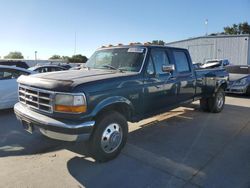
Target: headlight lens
[
  {"x": 241, "y": 82},
  {"x": 70, "y": 103}
]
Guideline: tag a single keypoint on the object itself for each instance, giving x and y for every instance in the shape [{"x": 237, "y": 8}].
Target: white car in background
[
  {"x": 214, "y": 63},
  {"x": 9, "y": 86}
]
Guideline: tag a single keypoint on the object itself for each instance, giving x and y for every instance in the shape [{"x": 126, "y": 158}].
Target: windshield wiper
[{"x": 112, "y": 67}]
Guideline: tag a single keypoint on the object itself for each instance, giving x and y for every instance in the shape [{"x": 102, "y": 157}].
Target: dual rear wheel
[{"x": 214, "y": 104}]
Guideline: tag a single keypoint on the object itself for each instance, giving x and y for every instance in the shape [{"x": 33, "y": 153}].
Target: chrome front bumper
[{"x": 51, "y": 126}]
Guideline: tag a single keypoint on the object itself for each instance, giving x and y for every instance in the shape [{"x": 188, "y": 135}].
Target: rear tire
[
  {"x": 109, "y": 136},
  {"x": 216, "y": 103}
]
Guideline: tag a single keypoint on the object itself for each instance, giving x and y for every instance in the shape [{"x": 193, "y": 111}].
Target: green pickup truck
[{"x": 120, "y": 84}]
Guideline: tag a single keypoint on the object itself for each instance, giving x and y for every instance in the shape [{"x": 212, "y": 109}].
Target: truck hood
[{"x": 65, "y": 80}]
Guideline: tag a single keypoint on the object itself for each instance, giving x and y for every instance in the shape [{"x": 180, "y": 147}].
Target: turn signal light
[{"x": 71, "y": 109}]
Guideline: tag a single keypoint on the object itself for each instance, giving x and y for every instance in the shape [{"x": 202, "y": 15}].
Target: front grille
[{"x": 36, "y": 98}]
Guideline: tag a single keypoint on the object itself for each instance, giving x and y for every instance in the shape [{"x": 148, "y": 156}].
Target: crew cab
[{"x": 119, "y": 84}]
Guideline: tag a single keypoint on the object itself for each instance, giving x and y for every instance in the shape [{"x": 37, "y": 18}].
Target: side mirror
[
  {"x": 168, "y": 68},
  {"x": 150, "y": 72}
]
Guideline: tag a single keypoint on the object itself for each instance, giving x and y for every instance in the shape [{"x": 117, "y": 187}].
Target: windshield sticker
[{"x": 136, "y": 50}]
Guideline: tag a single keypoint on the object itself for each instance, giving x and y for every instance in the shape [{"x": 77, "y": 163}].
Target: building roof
[{"x": 210, "y": 36}]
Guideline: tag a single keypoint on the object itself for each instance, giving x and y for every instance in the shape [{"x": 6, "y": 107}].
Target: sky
[{"x": 51, "y": 26}]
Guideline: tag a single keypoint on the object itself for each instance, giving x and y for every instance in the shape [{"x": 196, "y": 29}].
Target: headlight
[
  {"x": 241, "y": 82},
  {"x": 70, "y": 103}
]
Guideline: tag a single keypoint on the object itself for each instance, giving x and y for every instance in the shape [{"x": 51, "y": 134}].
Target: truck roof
[{"x": 139, "y": 45}]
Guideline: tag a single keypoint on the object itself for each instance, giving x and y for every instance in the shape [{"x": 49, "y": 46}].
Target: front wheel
[
  {"x": 216, "y": 103},
  {"x": 109, "y": 136}
]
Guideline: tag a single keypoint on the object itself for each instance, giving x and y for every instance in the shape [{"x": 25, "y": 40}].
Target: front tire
[{"x": 109, "y": 136}]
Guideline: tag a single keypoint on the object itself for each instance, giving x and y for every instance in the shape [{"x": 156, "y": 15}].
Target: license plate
[{"x": 27, "y": 126}]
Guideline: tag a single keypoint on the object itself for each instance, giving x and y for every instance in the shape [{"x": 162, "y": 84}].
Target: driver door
[{"x": 160, "y": 90}]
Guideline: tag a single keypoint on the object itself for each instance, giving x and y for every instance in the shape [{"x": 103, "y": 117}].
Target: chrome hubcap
[
  {"x": 220, "y": 100},
  {"x": 111, "y": 138}
]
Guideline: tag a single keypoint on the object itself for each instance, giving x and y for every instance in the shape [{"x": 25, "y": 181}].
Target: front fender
[{"x": 111, "y": 101}]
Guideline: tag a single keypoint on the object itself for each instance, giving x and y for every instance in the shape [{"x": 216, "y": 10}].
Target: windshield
[{"x": 124, "y": 59}]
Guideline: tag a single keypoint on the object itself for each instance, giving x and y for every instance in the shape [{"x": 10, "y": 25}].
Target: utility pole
[
  {"x": 75, "y": 45},
  {"x": 36, "y": 56},
  {"x": 206, "y": 25}
]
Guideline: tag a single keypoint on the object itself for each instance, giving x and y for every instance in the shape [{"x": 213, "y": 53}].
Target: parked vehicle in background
[
  {"x": 214, "y": 63},
  {"x": 47, "y": 68},
  {"x": 78, "y": 67},
  {"x": 20, "y": 64},
  {"x": 66, "y": 66},
  {"x": 239, "y": 79},
  {"x": 9, "y": 86},
  {"x": 197, "y": 65},
  {"x": 120, "y": 84}
]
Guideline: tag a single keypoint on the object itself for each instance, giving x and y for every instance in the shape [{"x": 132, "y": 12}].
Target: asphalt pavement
[{"x": 182, "y": 148}]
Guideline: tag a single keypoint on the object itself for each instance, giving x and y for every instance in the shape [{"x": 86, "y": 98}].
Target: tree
[
  {"x": 158, "y": 42},
  {"x": 78, "y": 59},
  {"x": 14, "y": 55},
  {"x": 237, "y": 29},
  {"x": 55, "y": 57},
  {"x": 66, "y": 58}
]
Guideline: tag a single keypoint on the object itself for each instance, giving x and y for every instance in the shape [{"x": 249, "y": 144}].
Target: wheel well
[
  {"x": 123, "y": 109},
  {"x": 223, "y": 86}
]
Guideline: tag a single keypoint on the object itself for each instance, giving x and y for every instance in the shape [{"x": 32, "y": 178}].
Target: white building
[{"x": 235, "y": 48}]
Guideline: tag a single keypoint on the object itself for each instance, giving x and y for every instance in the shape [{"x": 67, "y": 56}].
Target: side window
[
  {"x": 16, "y": 73},
  {"x": 150, "y": 68},
  {"x": 160, "y": 58},
  {"x": 57, "y": 69},
  {"x": 5, "y": 74},
  {"x": 52, "y": 69},
  {"x": 49, "y": 69},
  {"x": 181, "y": 61},
  {"x": 40, "y": 70},
  {"x": 43, "y": 69}
]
